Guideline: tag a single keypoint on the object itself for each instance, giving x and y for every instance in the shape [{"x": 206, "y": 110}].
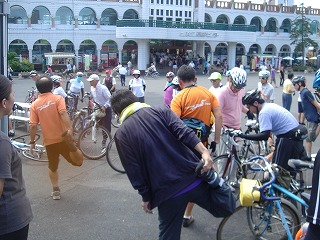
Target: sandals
[{"x": 186, "y": 222}]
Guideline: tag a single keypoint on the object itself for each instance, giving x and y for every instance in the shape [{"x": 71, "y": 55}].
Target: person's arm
[
  {"x": 256, "y": 137},
  {"x": 205, "y": 155},
  {"x": 82, "y": 92},
  {"x": 316, "y": 104},
  {"x": 33, "y": 131},
  {"x": 217, "y": 124}
]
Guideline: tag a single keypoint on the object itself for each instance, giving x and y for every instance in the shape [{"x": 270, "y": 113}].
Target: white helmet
[
  {"x": 79, "y": 74},
  {"x": 238, "y": 77},
  {"x": 264, "y": 74},
  {"x": 136, "y": 72},
  {"x": 175, "y": 81},
  {"x": 56, "y": 78}
]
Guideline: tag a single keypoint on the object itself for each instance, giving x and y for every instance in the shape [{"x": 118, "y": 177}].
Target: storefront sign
[{"x": 198, "y": 34}]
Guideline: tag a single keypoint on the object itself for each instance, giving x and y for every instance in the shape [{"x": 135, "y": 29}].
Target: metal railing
[{"x": 186, "y": 25}]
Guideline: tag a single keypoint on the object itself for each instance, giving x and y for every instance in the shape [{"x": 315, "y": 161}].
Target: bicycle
[
  {"x": 31, "y": 96},
  {"x": 271, "y": 217},
  {"x": 92, "y": 135},
  {"x": 228, "y": 164},
  {"x": 153, "y": 74},
  {"x": 39, "y": 152},
  {"x": 72, "y": 104},
  {"x": 115, "y": 120},
  {"x": 113, "y": 157}
]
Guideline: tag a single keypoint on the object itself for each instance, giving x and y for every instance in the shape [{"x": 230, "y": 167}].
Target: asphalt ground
[{"x": 99, "y": 203}]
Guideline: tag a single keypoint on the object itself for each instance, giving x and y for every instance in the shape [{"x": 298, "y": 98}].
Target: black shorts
[
  {"x": 300, "y": 109},
  {"x": 54, "y": 151}
]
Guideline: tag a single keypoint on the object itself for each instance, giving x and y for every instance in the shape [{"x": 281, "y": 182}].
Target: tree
[{"x": 300, "y": 32}]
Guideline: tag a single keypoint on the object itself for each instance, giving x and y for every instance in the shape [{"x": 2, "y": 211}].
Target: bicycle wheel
[
  {"x": 113, "y": 158},
  {"x": 115, "y": 120},
  {"x": 93, "y": 142},
  {"x": 230, "y": 171},
  {"x": 265, "y": 220},
  {"x": 39, "y": 154},
  {"x": 234, "y": 226}
]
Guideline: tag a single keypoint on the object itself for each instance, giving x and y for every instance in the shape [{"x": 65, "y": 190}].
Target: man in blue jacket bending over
[{"x": 155, "y": 148}]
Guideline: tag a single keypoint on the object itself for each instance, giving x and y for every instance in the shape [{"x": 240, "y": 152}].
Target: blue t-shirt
[
  {"x": 276, "y": 119},
  {"x": 309, "y": 109}
]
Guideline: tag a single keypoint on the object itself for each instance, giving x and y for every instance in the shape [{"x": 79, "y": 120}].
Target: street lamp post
[
  {"x": 4, "y": 12},
  {"x": 302, "y": 40}
]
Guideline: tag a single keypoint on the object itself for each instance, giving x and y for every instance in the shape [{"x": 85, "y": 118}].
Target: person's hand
[
  {"x": 207, "y": 161},
  {"x": 250, "y": 115},
  {"x": 146, "y": 207}
]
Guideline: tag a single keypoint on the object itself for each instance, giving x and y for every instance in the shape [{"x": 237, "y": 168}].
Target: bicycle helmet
[
  {"x": 316, "y": 81},
  {"x": 228, "y": 73},
  {"x": 56, "y": 78},
  {"x": 298, "y": 79},
  {"x": 251, "y": 96},
  {"x": 79, "y": 74},
  {"x": 175, "y": 81},
  {"x": 264, "y": 74},
  {"x": 136, "y": 72},
  {"x": 170, "y": 75},
  {"x": 33, "y": 73},
  {"x": 238, "y": 77}
]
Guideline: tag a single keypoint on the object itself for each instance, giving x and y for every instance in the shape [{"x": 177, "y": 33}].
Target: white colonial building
[{"x": 112, "y": 31}]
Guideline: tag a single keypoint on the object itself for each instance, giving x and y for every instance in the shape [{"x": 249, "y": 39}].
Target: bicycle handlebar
[
  {"x": 256, "y": 161},
  {"x": 232, "y": 133}
]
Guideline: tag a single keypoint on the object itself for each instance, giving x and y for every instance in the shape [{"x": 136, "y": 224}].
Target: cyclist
[
  {"x": 215, "y": 79},
  {"x": 168, "y": 90},
  {"x": 278, "y": 120},
  {"x": 287, "y": 92},
  {"x": 57, "y": 89},
  {"x": 109, "y": 81},
  {"x": 267, "y": 90},
  {"x": 123, "y": 72},
  {"x": 311, "y": 109},
  {"x": 196, "y": 102},
  {"x": 76, "y": 85},
  {"x": 34, "y": 75},
  {"x": 137, "y": 85}
]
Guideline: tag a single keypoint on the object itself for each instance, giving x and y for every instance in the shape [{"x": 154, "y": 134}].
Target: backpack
[
  {"x": 201, "y": 130},
  {"x": 108, "y": 82}
]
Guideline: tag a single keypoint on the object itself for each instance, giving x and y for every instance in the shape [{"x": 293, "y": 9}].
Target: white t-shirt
[
  {"x": 75, "y": 86},
  {"x": 59, "y": 91},
  {"x": 136, "y": 86},
  {"x": 267, "y": 91}
]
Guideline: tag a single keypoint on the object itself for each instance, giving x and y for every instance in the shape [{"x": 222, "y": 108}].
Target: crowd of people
[{"x": 174, "y": 179}]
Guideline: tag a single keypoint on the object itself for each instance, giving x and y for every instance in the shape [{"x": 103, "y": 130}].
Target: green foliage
[
  {"x": 17, "y": 66},
  {"x": 300, "y": 32}
]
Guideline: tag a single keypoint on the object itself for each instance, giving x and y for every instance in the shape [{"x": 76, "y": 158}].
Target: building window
[
  {"x": 158, "y": 11},
  {"x": 167, "y": 12},
  {"x": 186, "y": 14},
  {"x": 181, "y": 2},
  {"x": 189, "y": 14},
  {"x": 151, "y": 1},
  {"x": 177, "y": 2},
  {"x": 167, "y": 2},
  {"x": 161, "y": 12},
  {"x": 180, "y": 14},
  {"x": 169, "y": 19},
  {"x": 171, "y": 2},
  {"x": 151, "y": 11},
  {"x": 177, "y": 13}
]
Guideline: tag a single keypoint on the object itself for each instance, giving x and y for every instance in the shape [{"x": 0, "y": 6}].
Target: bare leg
[
  {"x": 54, "y": 178},
  {"x": 189, "y": 208}
]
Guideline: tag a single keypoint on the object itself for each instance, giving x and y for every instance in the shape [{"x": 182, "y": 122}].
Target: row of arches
[
  {"x": 64, "y": 15},
  {"x": 87, "y": 16}
]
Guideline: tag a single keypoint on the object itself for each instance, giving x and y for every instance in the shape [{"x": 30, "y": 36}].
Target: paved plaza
[{"x": 98, "y": 203}]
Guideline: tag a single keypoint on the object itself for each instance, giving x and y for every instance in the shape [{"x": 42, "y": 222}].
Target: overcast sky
[{"x": 307, "y": 3}]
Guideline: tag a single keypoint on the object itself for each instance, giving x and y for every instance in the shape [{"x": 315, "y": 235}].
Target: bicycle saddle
[{"x": 297, "y": 164}]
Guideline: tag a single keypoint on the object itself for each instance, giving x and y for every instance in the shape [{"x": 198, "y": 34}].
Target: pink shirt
[{"x": 231, "y": 107}]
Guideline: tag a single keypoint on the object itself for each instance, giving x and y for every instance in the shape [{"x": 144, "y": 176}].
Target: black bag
[
  {"x": 282, "y": 175},
  {"x": 201, "y": 130},
  {"x": 224, "y": 202},
  {"x": 298, "y": 133}
]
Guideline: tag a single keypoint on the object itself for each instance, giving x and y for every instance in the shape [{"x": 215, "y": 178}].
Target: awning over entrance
[{"x": 59, "y": 55}]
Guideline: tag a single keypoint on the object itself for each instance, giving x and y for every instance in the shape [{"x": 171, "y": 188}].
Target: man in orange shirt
[
  {"x": 198, "y": 103},
  {"x": 50, "y": 111}
]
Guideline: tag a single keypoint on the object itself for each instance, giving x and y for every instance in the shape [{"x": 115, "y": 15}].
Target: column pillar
[
  {"x": 30, "y": 55},
  {"x": 262, "y": 29},
  {"x": 201, "y": 11},
  {"x": 278, "y": 30},
  {"x": 232, "y": 54},
  {"x": 143, "y": 54},
  {"x": 53, "y": 23},
  {"x": 120, "y": 56},
  {"x": 29, "y": 22},
  {"x": 98, "y": 56},
  {"x": 76, "y": 23},
  {"x": 145, "y": 6},
  {"x": 98, "y": 23},
  {"x": 76, "y": 52}
]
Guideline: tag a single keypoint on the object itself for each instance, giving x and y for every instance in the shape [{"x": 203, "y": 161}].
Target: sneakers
[
  {"x": 211, "y": 176},
  {"x": 11, "y": 133},
  {"x": 56, "y": 195},
  {"x": 187, "y": 221}
]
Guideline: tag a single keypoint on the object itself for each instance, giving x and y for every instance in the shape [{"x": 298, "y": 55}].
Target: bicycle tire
[
  {"x": 94, "y": 149},
  {"x": 222, "y": 165},
  {"x": 115, "y": 120},
  {"x": 257, "y": 217},
  {"x": 234, "y": 227},
  {"x": 39, "y": 154},
  {"x": 113, "y": 158}
]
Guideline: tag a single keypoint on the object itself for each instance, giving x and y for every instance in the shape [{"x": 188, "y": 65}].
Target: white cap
[{"x": 93, "y": 77}]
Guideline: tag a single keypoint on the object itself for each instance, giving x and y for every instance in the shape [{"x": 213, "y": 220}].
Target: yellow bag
[{"x": 248, "y": 196}]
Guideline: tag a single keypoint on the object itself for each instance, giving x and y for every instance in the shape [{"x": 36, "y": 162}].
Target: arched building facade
[{"x": 113, "y": 31}]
